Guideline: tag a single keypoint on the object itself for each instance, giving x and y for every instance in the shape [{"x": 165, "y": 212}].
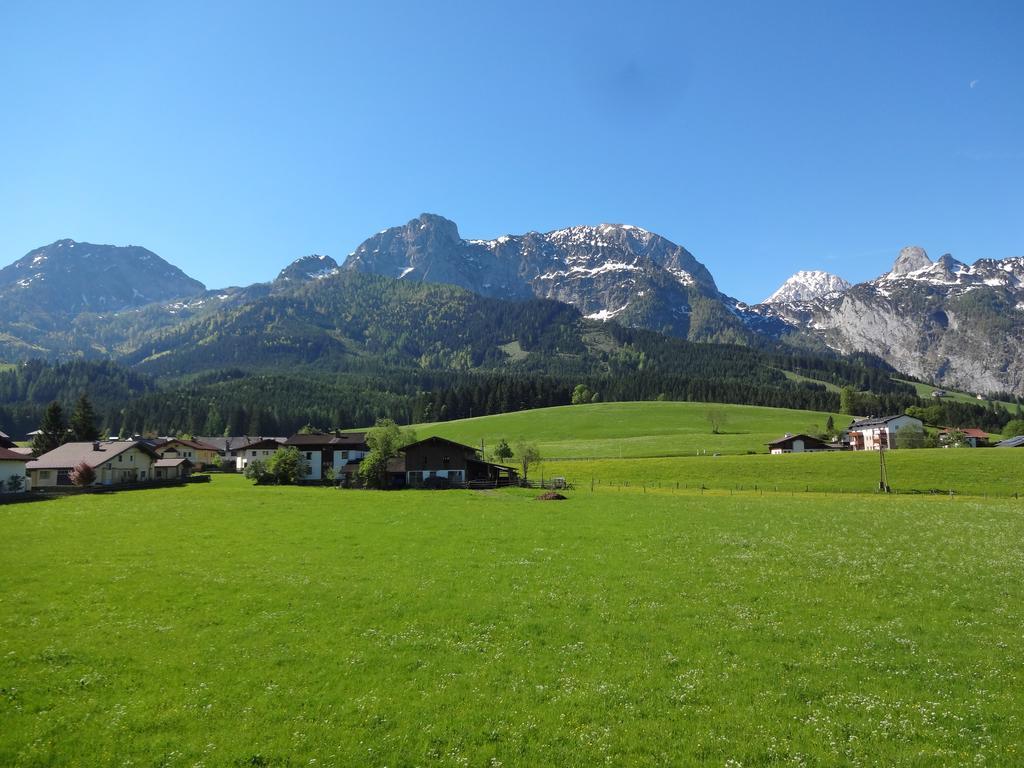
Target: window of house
[
  {"x": 254, "y": 453},
  {"x": 344, "y": 455},
  {"x": 44, "y": 474},
  {"x": 309, "y": 455},
  {"x": 120, "y": 459}
]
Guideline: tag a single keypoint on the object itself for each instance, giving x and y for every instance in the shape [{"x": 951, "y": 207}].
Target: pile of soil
[{"x": 551, "y": 496}]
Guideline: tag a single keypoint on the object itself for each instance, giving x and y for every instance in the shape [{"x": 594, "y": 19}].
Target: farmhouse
[
  {"x": 798, "y": 444},
  {"x": 876, "y": 434},
  {"x": 198, "y": 453},
  {"x": 437, "y": 457},
  {"x": 116, "y": 462},
  {"x": 341, "y": 452},
  {"x": 963, "y": 438},
  {"x": 12, "y": 465}
]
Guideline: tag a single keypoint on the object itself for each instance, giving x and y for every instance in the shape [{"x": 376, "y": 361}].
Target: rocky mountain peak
[
  {"x": 807, "y": 285},
  {"x": 84, "y": 277},
  {"x": 313, "y": 267},
  {"x": 911, "y": 259}
]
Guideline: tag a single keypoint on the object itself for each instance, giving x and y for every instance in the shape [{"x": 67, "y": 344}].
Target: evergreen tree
[
  {"x": 83, "y": 421},
  {"x": 53, "y": 431}
]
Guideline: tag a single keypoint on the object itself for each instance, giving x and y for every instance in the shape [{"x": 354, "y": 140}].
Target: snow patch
[
  {"x": 607, "y": 314},
  {"x": 406, "y": 271}
]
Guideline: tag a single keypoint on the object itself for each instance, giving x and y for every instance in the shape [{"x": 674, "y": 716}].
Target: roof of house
[
  {"x": 436, "y": 439},
  {"x": 171, "y": 462},
  {"x": 328, "y": 440},
  {"x": 967, "y": 432},
  {"x": 5, "y": 441},
  {"x": 877, "y": 421},
  {"x": 6, "y": 454},
  {"x": 257, "y": 442},
  {"x": 791, "y": 438},
  {"x": 93, "y": 454},
  {"x": 197, "y": 445},
  {"x": 1011, "y": 442}
]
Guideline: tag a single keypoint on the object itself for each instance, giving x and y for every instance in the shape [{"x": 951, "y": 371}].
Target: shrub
[
  {"x": 257, "y": 472},
  {"x": 83, "y": 475},
  {"x": 15, "y": 483}
]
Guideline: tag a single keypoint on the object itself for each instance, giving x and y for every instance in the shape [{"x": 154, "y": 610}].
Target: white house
[
  {"x": 256, "y": 449},
  {"x": 12, "y": 464},
  {"x": 121, "y": 461},
  {"x": 342, "y": 452},
  {"x": 880, "y": 434}
]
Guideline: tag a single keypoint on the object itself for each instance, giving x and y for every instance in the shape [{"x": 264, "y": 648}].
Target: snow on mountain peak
[{"x": 807, "y": 285}]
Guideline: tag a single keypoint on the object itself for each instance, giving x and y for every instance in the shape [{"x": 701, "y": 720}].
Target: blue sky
[{"x": 231, "y": 138}]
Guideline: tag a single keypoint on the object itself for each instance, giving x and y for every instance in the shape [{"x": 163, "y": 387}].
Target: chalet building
[
  {"x": 876, "y": 434},
  {"x": 5, "y": 441},
  {"x": 199, "y": 454},
  {"x": 951, "y": 437},
  {"x": 115, "y": 463},
  {"x": 339, "y": 451},
  {"x": 12, "y": 464},
  {"x": 437, "y": 457},
  {"x": 254, "y": 449},
  {"x": 798, "y": 444}
]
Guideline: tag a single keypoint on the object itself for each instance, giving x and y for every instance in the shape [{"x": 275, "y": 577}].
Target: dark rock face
[
  {"x": 606, "y": 271},
  {"x": 66, "y": 278}
]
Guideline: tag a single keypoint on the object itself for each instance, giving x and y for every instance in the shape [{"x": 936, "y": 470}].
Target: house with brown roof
[
  {"x": 254, "y": 449},
  {"x": 200, "y": 454},
  {"x": 12, "y": 465},
  {"x": 439, "y": 459},
  {"x": 339, "y": 451},
  {"x": 115, "y": 463},
  {"x": 968, "y": 437}
]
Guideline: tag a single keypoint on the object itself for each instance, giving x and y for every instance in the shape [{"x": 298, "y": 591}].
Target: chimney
[{"x": 95, "y": 445}]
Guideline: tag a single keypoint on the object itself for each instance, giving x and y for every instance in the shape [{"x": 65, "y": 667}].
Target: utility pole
[{"x": 883, "y": 478}]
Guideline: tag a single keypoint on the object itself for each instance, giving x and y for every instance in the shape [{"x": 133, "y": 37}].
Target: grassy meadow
[
  {"x": 225, "y": 624},
  {"x": 634, "y": 430}
]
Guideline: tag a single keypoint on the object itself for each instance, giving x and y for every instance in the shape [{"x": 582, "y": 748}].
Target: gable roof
[
  {"x": 194, "y": 444},
  {"x": 878, "y": 421},
  {"x": 791, "y": 438},
  {"x": 6, "y": 454},
  {"x": 435, "y": 439},
  {"x": 328, "y": 440},
  {"x": 71, "y": 454},
  {"x": 5, "y": 441},
  {"x": 171, "y": 462},
  {"x": 966, "y": 432}
]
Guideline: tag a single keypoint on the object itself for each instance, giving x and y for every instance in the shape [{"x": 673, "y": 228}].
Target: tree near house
[
  {"x": 257, "y": 472},
  {"x": 83, "y": 422},
  {"x": 502, "y": 451},
  {"x": 82, "y": 475},
  {"x": 286, "y": 466},
  {"x": 15, "y": 483},
  {"x": 52, "y": 433},
  {"x": 529, "y": 456},
  {"x": 385, "y": 439}
]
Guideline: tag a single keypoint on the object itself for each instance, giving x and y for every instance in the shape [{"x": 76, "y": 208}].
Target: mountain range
[{"x": 947, "y": 322}]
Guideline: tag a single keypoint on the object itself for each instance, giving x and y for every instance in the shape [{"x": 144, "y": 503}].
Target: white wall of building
[{"x": 9, "y": 468}]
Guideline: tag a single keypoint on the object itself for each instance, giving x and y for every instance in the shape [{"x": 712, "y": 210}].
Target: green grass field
[
  {"x": 228, "y": 625},
  {"x": 614, "y": 430},
  {"x": 981, "y": 472}
]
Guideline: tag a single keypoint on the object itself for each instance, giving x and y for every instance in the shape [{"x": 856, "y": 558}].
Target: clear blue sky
[{"x": 231, "y": 138}]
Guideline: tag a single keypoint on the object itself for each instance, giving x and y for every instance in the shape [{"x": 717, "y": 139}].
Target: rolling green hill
[{"x": 631, "y": 430}]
